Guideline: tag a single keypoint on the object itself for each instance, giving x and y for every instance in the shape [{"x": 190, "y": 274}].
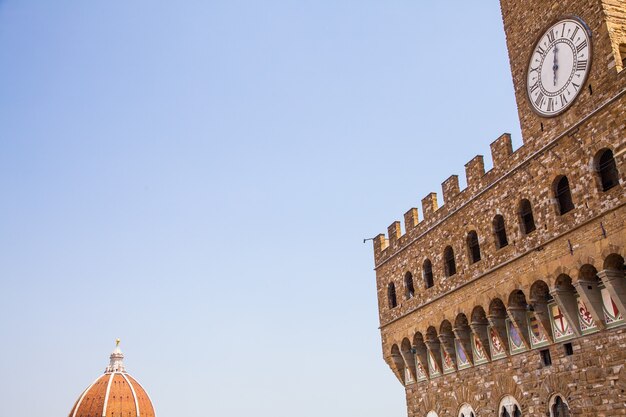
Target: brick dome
[{"x": 114, "y": 394}]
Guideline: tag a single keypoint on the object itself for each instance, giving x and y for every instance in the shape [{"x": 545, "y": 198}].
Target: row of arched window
[
  {"x": 609, "y": 178},
  {"x": 509, "y": 407}
]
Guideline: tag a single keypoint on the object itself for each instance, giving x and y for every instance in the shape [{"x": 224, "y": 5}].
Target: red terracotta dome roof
[{"x": 114, "y": 394}]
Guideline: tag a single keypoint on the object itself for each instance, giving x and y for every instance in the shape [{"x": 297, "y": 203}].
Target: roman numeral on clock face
[
  {"x": 541, "y": 51},
  {"x": 571, "y": 38},
  {"x": 581, "y": 65},
  {"x": 551, "y": 36},
  {"x": 539, "y": 100},
  {"x": 550, "y": 107},
  {"x": 582, "y": 46},
  {"x": 563, "y": 100}
]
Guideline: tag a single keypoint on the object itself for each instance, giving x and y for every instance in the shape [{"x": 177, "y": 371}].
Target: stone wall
[
  {"x": 532, "y": 178},
  {"x": 593, "y": 380},
  {"x": 568, "y": 259},
  {"x": 615, "y": 12}
]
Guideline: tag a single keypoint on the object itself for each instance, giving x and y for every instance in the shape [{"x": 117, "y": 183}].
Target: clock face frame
[{"x": 559, "y": 66}]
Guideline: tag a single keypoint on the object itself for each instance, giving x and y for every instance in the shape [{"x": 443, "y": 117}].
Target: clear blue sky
[{"x": 196, "y": 178}]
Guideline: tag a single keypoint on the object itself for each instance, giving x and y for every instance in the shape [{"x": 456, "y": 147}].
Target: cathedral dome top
[{"x": 114, "y": 394}]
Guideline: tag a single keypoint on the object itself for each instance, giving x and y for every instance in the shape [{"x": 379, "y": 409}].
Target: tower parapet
[{"x": 453, "y": 197}]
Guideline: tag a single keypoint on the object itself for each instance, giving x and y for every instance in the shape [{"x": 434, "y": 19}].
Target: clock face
[{"x": 559, "y": 66}]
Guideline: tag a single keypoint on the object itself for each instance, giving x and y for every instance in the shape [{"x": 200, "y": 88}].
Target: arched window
[
  {"x": 466, "y": 410},
  {"x": 509, "y": 407},
  {"x": 391, "y": 295},
  {"x": 408, "y": 285},
  {"x": 563, "y": 195},
  {"x": 500, "y": 232},
  {"x": 473, "y": 246},
  {"x": 431, "y": 414},
  {"x": 607, "y": 170},
  {"x": 449, "y": 262},
  {"x": 427, "y": 269},
  {"x": 558, "y": 407},
  {"x": 527, "y": 221}
]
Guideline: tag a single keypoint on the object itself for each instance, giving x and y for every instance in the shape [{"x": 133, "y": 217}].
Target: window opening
[
  {"x": 509, "y": 407},
  {"x": 569, "y": 349},
  {"x": 607, "y": 170},
  {"x": 428, "y": 274},
  {"x": 500, "y": 232},
  {"x": 559, "y": 408},
  {"x": 546, "y": 359},
  {"x": 564, "y": 196},
  {"x": 450, "y": 264},
  {"x": 473, "y": 246},
  {"x": 526, "y": 216},
  {"x": 515, "y": 412},
  {"x": 466, "y": 411},
  {"x": 408, "y": 285},
  {"x": 391, "y": 295}
]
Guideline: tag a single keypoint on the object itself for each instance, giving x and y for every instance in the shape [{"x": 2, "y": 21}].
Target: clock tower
[
  {"x": 509, "y": 299},
  {"x": 566, "y": 59}
]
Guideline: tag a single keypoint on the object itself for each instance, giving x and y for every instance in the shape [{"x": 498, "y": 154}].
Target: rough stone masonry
[{"x": 510, "y": 298}]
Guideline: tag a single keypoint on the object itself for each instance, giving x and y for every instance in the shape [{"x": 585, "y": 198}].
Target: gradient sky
[{"x": 197, "y": 177}]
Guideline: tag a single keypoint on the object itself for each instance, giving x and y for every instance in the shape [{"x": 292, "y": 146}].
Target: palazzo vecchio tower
[{"x": 509, "y": 299}]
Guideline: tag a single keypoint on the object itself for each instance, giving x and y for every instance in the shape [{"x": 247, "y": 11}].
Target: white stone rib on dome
[
  {"x": 132, "y": 389},
  {"x": 106, "y": 396},
  {"x": 147, "y": 395},
  {"x": 82, "y": 397}
]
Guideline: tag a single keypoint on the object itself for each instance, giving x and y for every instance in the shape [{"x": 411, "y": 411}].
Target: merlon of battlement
[
  {"x": 501, "y": 149},
  {"x": 411, "y": 219},
  {"x": 450, "y": 188},
  {"x": 394, "y": 231},
  {"x": 429, "y": 205},
  {"x": 380, "y": 243},
  {"x": 474, "y": 172}
]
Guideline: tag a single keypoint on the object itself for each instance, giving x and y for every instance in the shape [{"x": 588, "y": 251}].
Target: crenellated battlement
[{"x": 453, "y": 197}]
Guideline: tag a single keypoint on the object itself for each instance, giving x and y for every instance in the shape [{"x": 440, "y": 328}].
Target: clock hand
[{"x": 555, "y": 65}]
